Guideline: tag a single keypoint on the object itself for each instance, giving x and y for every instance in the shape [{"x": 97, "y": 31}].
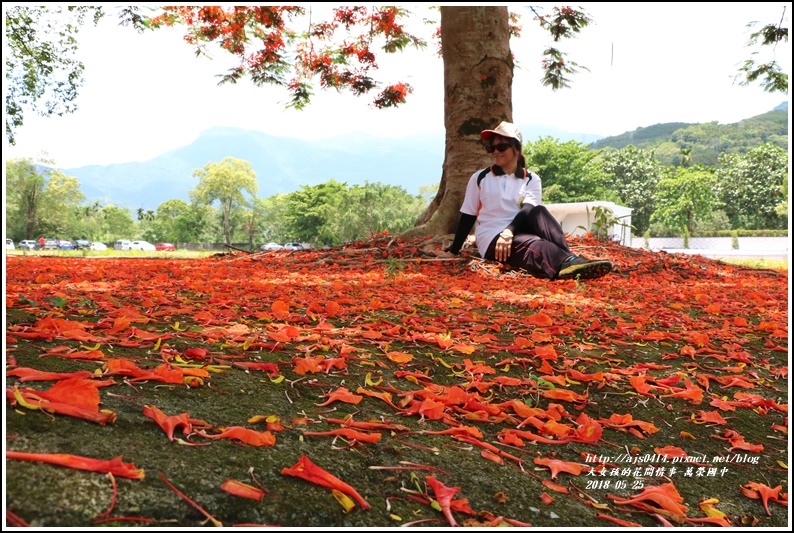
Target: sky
[{"x": 648, "y": 63}]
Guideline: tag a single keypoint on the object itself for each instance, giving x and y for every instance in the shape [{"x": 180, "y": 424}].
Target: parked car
[
  {"x": 122, "y": 244},
  {"x": 145, "y": 246},
  {"x": 65, "y": 245},
  {"x": 50, "y": 244},
  {"x": 27, "y": 245},
  {"x": 294, "y": 246},
  {"x": 98, "y": 247},
  {"x": 271, "y": 246},
  {"x": 10, "y": 244},
  {"x": 81, "y": 244},
  {"x": 164, "y": 246}
]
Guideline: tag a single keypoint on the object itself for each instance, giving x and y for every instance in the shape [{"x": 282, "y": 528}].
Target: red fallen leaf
[
  {"x": 461, "y": 506},
  {"x": 618, "y": 521},
  {"x": 268, "y": 368},
  {"x": 114, "y": 466},
  {"x": 548, "y": 500},
  {"x": 348, "y": 433},
  {"x": 399, "y": 357},
  {"x": 199, "y": 354},
  {"x": 578, "y": 376},
  {"x": 444, "y": 497},
  {"x": 332, "y": 309},
  {"x": 342, "y": 394},
  {"x": 280, "y": 309},
  {"x": 738, "y": 443},
  {"x": 509, "y": 434},
  {"x": 31, "y": 374},
  {"x": 709, "y": 417},
  {"x": 30, "y": 400},
  {"x": 556, "y": 466},
  {"x": 122, "y": 367},
  {"x": 332, "y": 363},
  {"x": 665, "y": 496},
  {"x": 460, "y": 430},
  {"x": 487, "y": 454},
  {"x": 305, "y": 469},
  {"x": 168, "y": 423},
  {"x": 245, "y": 435},
  {"x": 589, "y": 431},
  {"x": 79, "y": 392},
  {"x": 671, "y": 452},
  {"x": 760, "y": 491},
  {"x": 307, "y": 365},
  {"x": 243, "y": 490},
  {"x": 416, "y": 375},
  {"x": 162, "y": 373},
  {"x": 549, "y": 484},
  {"x": 349, "y": 422},
  {"x": 431, "y": 409},
  {"x": 539, "y": 319},
  {"x": 640, "y": 385},
  {"x": 385, "y": 396}
]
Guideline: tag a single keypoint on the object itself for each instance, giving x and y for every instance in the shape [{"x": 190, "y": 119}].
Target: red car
[{"x": 164, "y": 246}]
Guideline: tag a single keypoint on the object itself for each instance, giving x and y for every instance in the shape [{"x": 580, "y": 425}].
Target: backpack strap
[
  {"x": 482, "y": 175},
  {"x": 488, "y": 169}
]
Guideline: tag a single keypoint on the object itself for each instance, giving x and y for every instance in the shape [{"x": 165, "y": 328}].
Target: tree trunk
[{"x": 478, "y": 86}]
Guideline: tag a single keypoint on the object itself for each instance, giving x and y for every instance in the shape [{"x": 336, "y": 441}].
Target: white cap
[{"x": 504, "y": 129}]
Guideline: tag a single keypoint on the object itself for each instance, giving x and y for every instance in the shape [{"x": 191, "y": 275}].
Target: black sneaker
[{"x": 582, "y": 268}]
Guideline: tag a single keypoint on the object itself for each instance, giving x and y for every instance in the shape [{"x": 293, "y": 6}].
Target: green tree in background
[
  {"x": 225, "y": 183},
  {"x": 685, "y": 197},
  {"x": 273, "y": 224},
  {"x": 634, "y": 174},
  {"x": 24, "y": 196},
  {"x": 88, "y": 221},
  {"x": 566, "y": 171},
  {"x": 310, "y": 211},
  {"x": 370, "y": 209},
  {"x": 752, "y": 187},
  {"x": 177, "y": 221},
  {"x": 43, "y": 73},
  {"x": 117, "y": 223},
  {"x": 62, "y": 198}
]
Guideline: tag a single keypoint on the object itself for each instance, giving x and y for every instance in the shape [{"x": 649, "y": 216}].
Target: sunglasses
[{"x": 501, "y": 147}]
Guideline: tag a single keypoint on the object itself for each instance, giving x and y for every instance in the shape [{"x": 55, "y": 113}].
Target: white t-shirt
[{"x": 496, "y": 201}]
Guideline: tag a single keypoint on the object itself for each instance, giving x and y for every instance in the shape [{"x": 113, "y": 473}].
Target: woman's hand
[{"x": 503, "y": 245}]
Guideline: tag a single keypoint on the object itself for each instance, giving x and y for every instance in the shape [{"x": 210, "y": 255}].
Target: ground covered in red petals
[{"x": 376, "y": 386}]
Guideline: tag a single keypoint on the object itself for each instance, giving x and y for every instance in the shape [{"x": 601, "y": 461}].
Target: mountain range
[{"x": 281, "y": 164}]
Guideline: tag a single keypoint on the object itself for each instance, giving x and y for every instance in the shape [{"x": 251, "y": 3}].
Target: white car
[
  {"x": 271, "y": 246},
  {"x": 293, "y": 246},
  {"x": 122, "y": 244},
  {"x": 142, "y": 245},
  {"x": 28, "y": 245},
  {"x": 10, "y": 244},
  {"x": 97, "y": 246}
]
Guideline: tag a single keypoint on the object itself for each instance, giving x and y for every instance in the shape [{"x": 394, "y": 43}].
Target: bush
[
  {"x": 657, "y": 229},
  {"x": 715, "y": 221}
]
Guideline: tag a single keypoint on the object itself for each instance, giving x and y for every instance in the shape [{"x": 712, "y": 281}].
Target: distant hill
[
  {"x": 282, "y": 164},
  {"x": 706, "y": 141}
]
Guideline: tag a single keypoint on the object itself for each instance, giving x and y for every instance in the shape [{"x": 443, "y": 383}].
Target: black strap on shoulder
[
  {"x": 486, "y": 170},
  {"x": 482, "y": 175}
]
